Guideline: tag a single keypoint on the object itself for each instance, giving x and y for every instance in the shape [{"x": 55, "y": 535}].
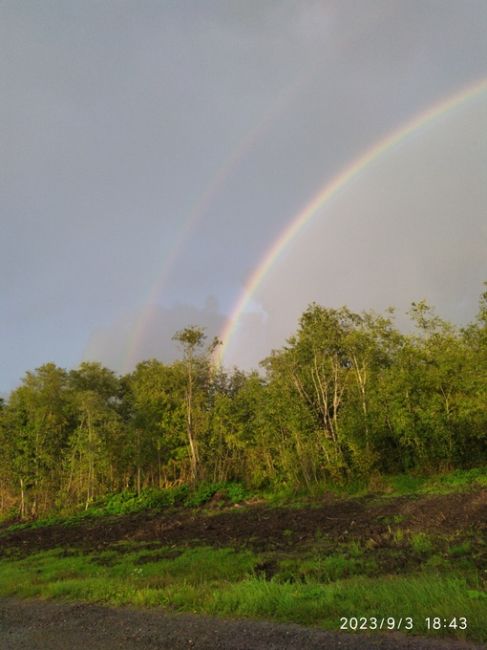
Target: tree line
[{"x": 348, "y": 397}]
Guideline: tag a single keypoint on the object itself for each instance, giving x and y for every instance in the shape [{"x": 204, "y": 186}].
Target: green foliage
[
  {"x": 126, "y": 502},
  {"x": 182, "y": 495},
  {"x": 406, "y": 483},
  {"x": 204, "y": 492},
  {"x": 312, "y": 603},
  {"x": 314, "y": 590},
  {"x": 327, "y": 568},
  {"x": 421, "y": 543},
  {"x": 236, "y": 492},
  {"x": 455, "y": 481},
  {"x": 349, "y": 404},
  {"x": 460, "y": 550},
  {"x": 148, "y": 499}
]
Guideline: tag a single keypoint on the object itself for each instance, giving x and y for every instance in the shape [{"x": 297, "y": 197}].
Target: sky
[{"x": 154, "y": 151}]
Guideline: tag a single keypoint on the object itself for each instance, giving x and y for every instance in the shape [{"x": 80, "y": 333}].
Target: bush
[{"x": 155, "y": 499}]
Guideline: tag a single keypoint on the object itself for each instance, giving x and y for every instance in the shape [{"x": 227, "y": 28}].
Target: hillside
[{"x": 312, "y": 561}]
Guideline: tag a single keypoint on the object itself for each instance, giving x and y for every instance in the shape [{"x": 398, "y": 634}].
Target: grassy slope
[{"x": 315, "y": 585}]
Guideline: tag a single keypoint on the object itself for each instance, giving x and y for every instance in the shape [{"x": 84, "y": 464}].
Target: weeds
[
  {"x": 421, "y": 543},
  {"x": 129, "y": 502},
  {"x": 223, "y": 581},
  {"x": 457, "y": 481},
  {"x": 389, "y": 568},
  {"x": 123, "y": 503},
  {"x": 312, "y": 603},
  {"x": 398, "y": 535},
  {"x": 459, "y": 550},
  {"x": 324, "y": 569}
]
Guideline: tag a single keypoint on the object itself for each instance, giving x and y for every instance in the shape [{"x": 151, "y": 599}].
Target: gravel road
[{"x": 37, "y": 625}]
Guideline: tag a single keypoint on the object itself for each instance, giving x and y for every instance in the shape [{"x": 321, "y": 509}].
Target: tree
[
  {"x": 154, "y": 400},
  {"x": 191, "y": 339},
  {"x": 37, "y": 421},
  {"x": 92, "y": 459},
  {"x": 237, "y": 446}
]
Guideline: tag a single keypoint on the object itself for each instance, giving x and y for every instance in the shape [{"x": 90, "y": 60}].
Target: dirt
[
  {"x": 262, "y": 528},
  {"x": 54, "y": 626},
  {"x": 37, "y": 625}
]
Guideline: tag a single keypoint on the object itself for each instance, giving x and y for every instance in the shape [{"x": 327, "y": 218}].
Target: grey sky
[{"x": 116, "y": 118}]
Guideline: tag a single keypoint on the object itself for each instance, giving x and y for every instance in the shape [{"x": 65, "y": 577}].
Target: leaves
[{"x": 347, "y": 397}]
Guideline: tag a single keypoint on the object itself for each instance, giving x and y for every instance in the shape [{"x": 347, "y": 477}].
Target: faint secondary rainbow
[
  {"x": 201, "y": 207},
  {"x": 331, "y": 188}
]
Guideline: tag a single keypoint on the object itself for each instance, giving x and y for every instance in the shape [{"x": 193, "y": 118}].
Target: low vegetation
[
  {"x": 226, "y": 582},
  {"x": 349, "y": 479},
  {"x": 335, "y": 556}
]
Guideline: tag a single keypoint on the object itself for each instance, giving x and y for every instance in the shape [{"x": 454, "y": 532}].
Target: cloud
[
  {"x": 411, "y": 226},
  {"x": 118, "y": 118},
  {"x": 147, "y": 334}
]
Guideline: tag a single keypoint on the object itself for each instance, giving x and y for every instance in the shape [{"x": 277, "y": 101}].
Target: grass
[
  {"x": 462, "y": 549},
  {"x": 459, "y": 480},
  {"x": 399, "y": 573},
  {"x": 421, "y": 543},
  {"x": 101, "y": 576},
  {"x": 128, "y": 502},
  {"x": 324, "y": 569},
  {"x": 225, "y": 582},
  {"x": 315, "y": 603}
]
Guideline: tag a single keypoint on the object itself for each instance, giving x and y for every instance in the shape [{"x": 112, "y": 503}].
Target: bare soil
[
  {"x": 37, "y": 625},
  {"x": 261, "y": 527}
]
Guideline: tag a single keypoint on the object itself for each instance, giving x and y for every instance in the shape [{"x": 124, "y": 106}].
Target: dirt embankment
[
  {"x": 56, "y": 626},
  {"x": 261, "y": 527}
]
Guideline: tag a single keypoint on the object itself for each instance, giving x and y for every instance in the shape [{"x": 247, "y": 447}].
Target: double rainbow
[
  {"x": 202, "y": 206},
  {"x": 329, "y": 190}
]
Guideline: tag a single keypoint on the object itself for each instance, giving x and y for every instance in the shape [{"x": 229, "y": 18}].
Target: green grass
[
  {"x": 198, "y": 565},
  {"x": 462, "y": 549},
  {"x": 116, "y": 577},
  {"x": 127, "y": 502},
  {"x": 459, "y": 480},
  {"x": 324, "y": 569},
  {"x": 314, "y": 589},
  {"x": 421, "y": 543},
  {"x": 316, "y": 583},
  {"x": 223, "y": 582},
  {"x": 315, "y": 603}
]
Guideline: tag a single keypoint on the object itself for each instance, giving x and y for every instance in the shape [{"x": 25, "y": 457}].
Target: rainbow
[
  {"x": 329, "y": 190},
  {"x": 201, "y": 207}
]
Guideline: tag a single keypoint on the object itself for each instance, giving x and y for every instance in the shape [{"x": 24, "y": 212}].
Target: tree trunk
[{"x": 22, "y": 499}]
